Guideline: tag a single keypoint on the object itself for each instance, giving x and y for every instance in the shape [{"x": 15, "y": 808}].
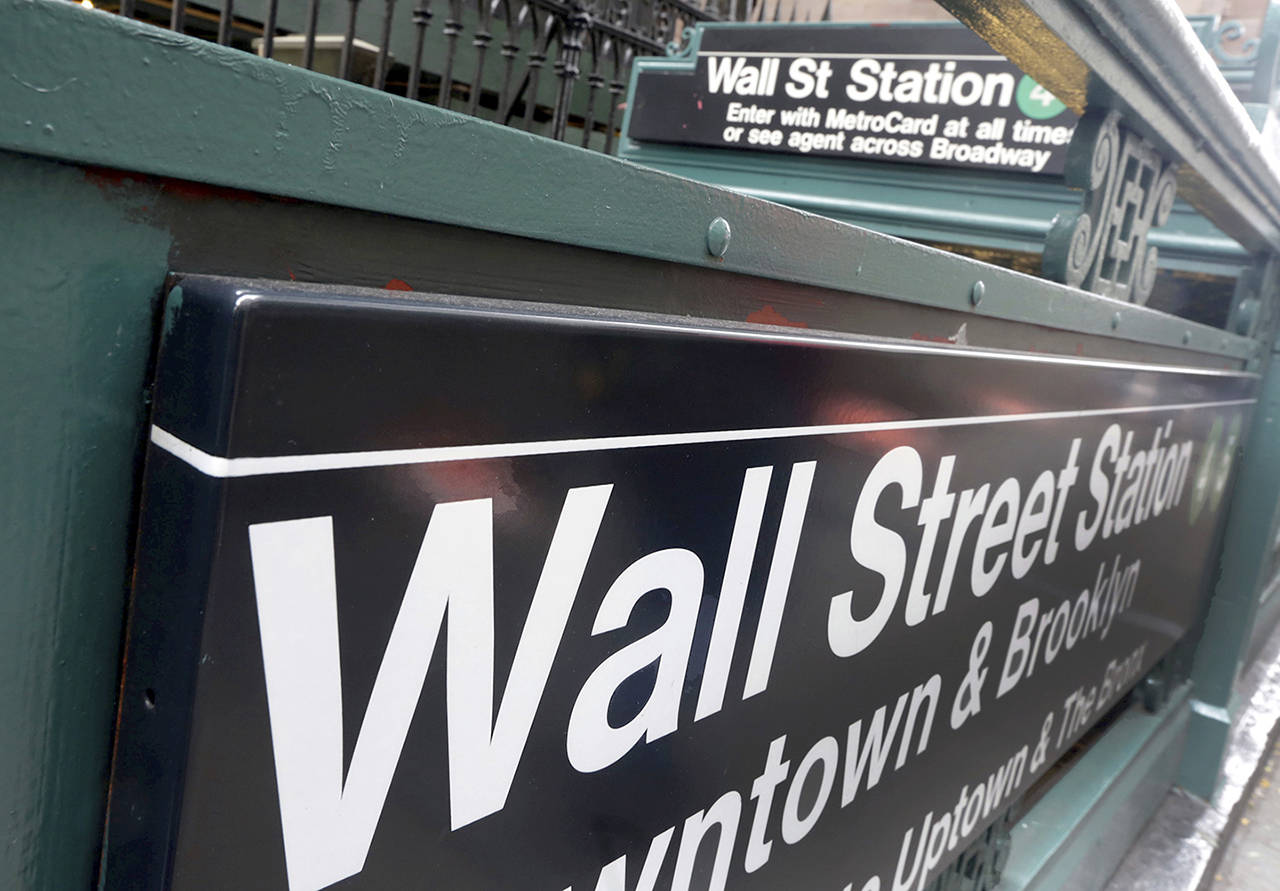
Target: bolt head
[
  {"x": 1246, "y": 316},
  {"x": 718, "y": 236},
  {"x": 977, "y": 292}
]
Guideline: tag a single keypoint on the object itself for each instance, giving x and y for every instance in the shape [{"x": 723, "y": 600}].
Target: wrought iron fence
[{"x": 542, "y": 65}]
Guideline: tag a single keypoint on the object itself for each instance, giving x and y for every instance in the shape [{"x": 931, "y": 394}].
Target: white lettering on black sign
[
  {"x": 686, "y": 608},
  {"x": 950, "y": 100},
  {"x": 328, "y": 823}
]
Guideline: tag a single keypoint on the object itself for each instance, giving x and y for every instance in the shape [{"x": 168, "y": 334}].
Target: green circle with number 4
[{"x": 1037, "y": 102}]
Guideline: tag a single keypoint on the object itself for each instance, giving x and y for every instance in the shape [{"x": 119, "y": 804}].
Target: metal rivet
[
  {"x": 718, "y": 237},
  {"x": 1246, "y": 315},
  {"x": 977, "y": 292},
  {"x": 1186, "y": 337},
  {"x": 1115, "y": 319},
  {"x": 48, "y": 129}
]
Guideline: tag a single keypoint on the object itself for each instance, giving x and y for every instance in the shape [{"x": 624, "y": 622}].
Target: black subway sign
[
  {"x": 438, "y": 593},
  {"x": 923, "y": 94}
]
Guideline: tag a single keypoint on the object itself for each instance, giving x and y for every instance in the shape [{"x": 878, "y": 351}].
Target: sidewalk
[
  {"x": 1252, "y": 859},
  {"x": 1182, "y": 847}
]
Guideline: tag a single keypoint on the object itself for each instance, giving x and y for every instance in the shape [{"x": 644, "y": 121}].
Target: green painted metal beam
[
  {"x": 1077, "y": 834},
  {"x": 81, "y": 280},
  {"x": 1247, "y": 543},
  {"x": 1001, "y": 211},
  {"x": 220, "y": 116},
  {"x": 998, "y": 210}
]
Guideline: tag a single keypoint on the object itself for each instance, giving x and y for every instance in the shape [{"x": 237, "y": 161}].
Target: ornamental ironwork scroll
[
  {"x": 1227, "y": 41},
  {"x": 1128, "y": 190}
]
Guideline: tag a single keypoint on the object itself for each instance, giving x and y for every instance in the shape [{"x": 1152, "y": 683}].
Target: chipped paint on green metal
[
  {"x": 165, "y": 104},
  {"x": 82, "y": 278}
]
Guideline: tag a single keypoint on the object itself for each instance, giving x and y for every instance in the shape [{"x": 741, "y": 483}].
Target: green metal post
[
  {"x": 1246, "y": 544},
  {"x": 76, "y": 309}
]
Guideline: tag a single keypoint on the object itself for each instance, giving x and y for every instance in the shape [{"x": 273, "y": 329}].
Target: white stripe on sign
[
  {"x": 950, "y": 57},
  {"x": 224, "y": 468}
]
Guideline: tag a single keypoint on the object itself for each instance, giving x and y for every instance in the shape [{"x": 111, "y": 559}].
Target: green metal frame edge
[
  {"x": 1234, "y": 600},
  {"x": 1017, "y": 213},
  {"x": 833, "y": 186},
  {"x": 1062, "y": 829},
  {"x": 163, "y": 104},
  {"x": 1144, "y": 59}
]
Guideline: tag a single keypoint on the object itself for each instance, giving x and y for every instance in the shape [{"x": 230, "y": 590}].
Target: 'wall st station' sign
[
  {"x": 922, "y": 94},
  {"x": 450, "y": 594}
]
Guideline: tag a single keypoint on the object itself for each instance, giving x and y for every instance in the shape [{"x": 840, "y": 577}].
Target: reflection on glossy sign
[{"x": 445, "y": 595}]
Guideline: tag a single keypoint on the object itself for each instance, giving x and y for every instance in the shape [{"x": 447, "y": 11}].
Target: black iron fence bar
[
  {"x": 225, "y": 21},
  {"x": 480, "y": 40},
  {"x": 452, "y": 29},
  {"x": 421, "y": 21},
  {"x": 594, "y": 83},
  {"x": 309, "y": 45},
  {"x": 348, "y": 40},
  {"x": 571, "y": 39},
  {"x": 542, "y": 37},
  {"x": 269, "y": 28},
  {"x": 531, "y": 32},
  {"x": 510, "y": 50},
  {"x": 384, "y": 46}
]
